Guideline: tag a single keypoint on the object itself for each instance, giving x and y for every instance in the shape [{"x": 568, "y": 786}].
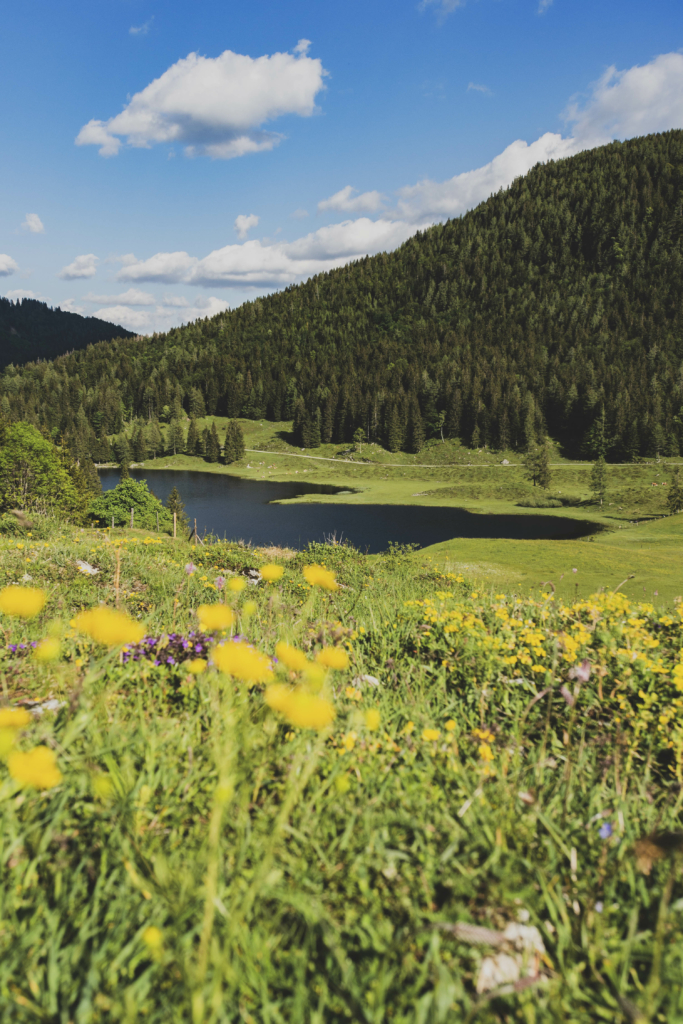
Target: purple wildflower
[
  {"x": 605, "y": 830},
  {"x": 219, "y": 582},
  {"x": 190, "y": 568}
]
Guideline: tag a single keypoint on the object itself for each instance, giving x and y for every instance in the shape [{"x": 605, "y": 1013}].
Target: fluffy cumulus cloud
[
  {"x": 34, "y": 224},
  {"x": 158, "y": 315},
  {"x": 214, "y": 106},
  {"x": 348, "y": 201},
  {"x": 71, "y": 306},
  {"x": 244, "y": 224},
  {"x": 254, "y": 264},
  {"x": 82, "y": 266},
  {"x": 7, "y": 265},
  {"x": 132, "y": 297}
]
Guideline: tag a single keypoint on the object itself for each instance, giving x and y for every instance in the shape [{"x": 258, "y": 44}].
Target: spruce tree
[
  {"x": 674, "y": 498},
  {"x": 238, "y": 440},
  {"x": 395, "y": 432},
  {"x": 122, "y": 449},
  {"x": 176, "y": 438},
  {"x": 138, "y": 447},
  {"x": 192, "y": 437},
  {"x": 213, "y": 445},
  {"x": 153, "y": 439},
  {"x": 416, "y": 431},
  {"x": 229, "y": 450},
  {"x": 537, "y": 465},
  {"x": 174, "y": 503},
  {"x": 124, "y": 474},
  {"x": 599, "y": 480},
  {"x": 105, "y": 453},
  {"x": 204, "y": 442}
]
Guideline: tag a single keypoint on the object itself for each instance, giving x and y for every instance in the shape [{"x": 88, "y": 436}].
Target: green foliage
[
  {"x": 33, "y": 476},
  {"x": 537, "y": 464},
  {"x": 234, "y": 442},
  {"x": 674, "y": 498},
  {"x": 554, "y": 307},
  {"x": 174, "y": 503},
  {"x": 130, "y": 494}
]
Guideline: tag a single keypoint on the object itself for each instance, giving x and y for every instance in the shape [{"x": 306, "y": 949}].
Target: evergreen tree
[
  {"x": 122, "y": 449},
  {"x": 298, "y": 422},
  {"x": 310, "y": 430},
  {"x": 204, "y": 442},
  {"x": 174, "y": 503},
  {"x": 537, "y": 465},
  {"x": 176, "y": 438},
  {"x": 599, "y": 480},
  {"x": 213, "y": 445},
  {"x": 237, "y": 440},
  {"x": 358, "y": 438},
  {"x": 674, "y": 498},
  {"x": 192, "y": 442},
  {"x": 632, "y": 446},
  {"x": 596, "y": 443},
  {"x": 123, "y": 471},
  {"x": 416, "y": 432},
  {"x": 153, "y": 439},
  {"x": 138, "y": 447},
  {"x": 229, "y": 450},
  {"x": 104, "y": 452},
  {"x": 394, "y": 433}
]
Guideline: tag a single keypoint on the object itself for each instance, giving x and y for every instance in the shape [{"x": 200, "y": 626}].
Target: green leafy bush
[{"x": 130, "y": 494}]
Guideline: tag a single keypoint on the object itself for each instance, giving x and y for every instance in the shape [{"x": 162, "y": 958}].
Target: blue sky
[{"x": 164, "y": 160}]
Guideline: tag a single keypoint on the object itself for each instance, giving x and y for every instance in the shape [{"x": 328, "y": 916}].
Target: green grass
[{"x": 296, "y": 876}]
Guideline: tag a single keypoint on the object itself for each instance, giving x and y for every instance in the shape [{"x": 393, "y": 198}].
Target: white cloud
[
  {"x": 299, "y": 214},
  {"x": 346, "y": 202},
  {"x": 443, "y": 7},
  {"x": 141, "y": 30},
  {"x": 544, "y": 5},
  {"x": 473, "y": 87},
  {"x": 7, "y": 265},
  {"x": 20, "y": 293},
  {"x": 303, "y": 46},
  {"x": 170, "y": 312},
  {"x": 34, "y": 224},
  {"x": 82, "y": 266},
  {"x": 244, "y": 224},
  {"x": 641, "y": 100},
  {"x": 133, "y": 297},
  {"x": 214, "y": 106},
  {"x": 69, "y": 306},
  {"x": 253, "y": 264}
]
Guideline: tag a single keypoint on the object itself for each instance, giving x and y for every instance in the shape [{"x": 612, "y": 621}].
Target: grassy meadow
[{"x": 444, "y": 799}]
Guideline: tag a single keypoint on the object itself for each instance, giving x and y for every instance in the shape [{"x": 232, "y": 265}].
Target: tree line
[{"x": 555, "y": 307}]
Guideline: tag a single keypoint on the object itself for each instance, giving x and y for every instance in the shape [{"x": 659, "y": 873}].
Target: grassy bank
[{"x": 486, "y": 830}]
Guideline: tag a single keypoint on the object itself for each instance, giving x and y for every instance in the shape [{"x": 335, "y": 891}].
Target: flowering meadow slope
[{"x": 264, "y": 786}]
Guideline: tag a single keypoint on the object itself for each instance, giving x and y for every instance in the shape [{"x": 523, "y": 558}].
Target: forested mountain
[
  {"x": 555, "y": 306},
  {"x": 33, "y": 330}
]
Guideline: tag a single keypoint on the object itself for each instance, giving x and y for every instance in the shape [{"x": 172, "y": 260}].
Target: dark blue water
[{"x": 238, "y": 509}]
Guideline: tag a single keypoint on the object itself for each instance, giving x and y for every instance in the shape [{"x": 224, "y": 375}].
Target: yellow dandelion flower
[
  {"x": 316, "y": 576},
  {"x": 409, "y": 728},
  {"x": 333, "y": 657},
  {"x": 237, "y": 584},
  {"x": 349, "y": 741},
  {"x": 342, "y": 784},
  {"x": 353, "y": 693},
  {"x": 372, "y": 719},
  {"x": 272, "y": 573},
  {"x": 300, "y": 707},
  {"x": 47, "y": 650},
  {"x": 485, "y": 752},
  {"x": 23, "y": 602},
  {"x": 430, "y": 735},
  {"x": 214, "y": 617},
  {"x": 196, "y": 666},
  {"x": 37, "y": 767},
  {"x": 240, "y": 661},
  {"x": 108, "y": 626},
  {"x": 153, "y": 938},
  {"x": 291, "y": 657},
  {"x": 7, "y": 740},
  {"x": 14, "y": 718},
  {"x": 450, "y": 725},
  {"x": 315, "y": 676}
]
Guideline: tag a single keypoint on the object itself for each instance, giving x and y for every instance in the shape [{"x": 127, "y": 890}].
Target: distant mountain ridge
[
  {"x": 30, "y": 329},
  {"x": 556, "y": 307}
]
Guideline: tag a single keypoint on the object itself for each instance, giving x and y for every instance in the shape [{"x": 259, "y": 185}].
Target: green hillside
[
  {"x": 33, "y": 330},
  {"x": 555, "y": 306}
]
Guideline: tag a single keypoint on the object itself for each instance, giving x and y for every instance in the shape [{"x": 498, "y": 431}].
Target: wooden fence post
[
  {"x": 132, "y": 516},
  {"x": 175, "y": 517},
  {"x": 112, "y": 522},
  {"x": 157, "y": 522}
]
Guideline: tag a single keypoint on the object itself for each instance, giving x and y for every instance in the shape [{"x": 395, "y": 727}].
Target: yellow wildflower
[
  {"x": 24, "y": 602},
  {"x": 242, "y": 662},
  {"x": 333, "y": 657},
  {"x": 316, "y": 576},
  {"x": 349, "y": 741},
  {"x": 108, "y": 626},
  {"x": 153, "y": 938},
  {"x": 372, "y": 719},
  {"x": 14, "y": 718},
  {"x": 450, "y": 725},
  {"x": 353, "y": 693},
  {"x": 237, "y": 584},
  {"x": 300, "y": 707},
  {"x": 410, "y": 728},
  {"x": 47, "y": 649},
  {"x": 430, "y": 734},
  {"x": 37, "y": 767},
  {"x": 315, "y": 676},
  {"x": 214, "y": 617},
  {"x": 291, "y": 657},
  {"x": 485, "y": 752},
  {"x": 196, "y": 666},
  {"x": 272, "y": 573}
]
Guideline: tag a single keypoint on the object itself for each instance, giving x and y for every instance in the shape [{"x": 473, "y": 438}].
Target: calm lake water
[{"x": 238, "y": 509}]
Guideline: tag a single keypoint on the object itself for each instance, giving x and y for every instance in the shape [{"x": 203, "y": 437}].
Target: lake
[{"x": 238, "y": 509}]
